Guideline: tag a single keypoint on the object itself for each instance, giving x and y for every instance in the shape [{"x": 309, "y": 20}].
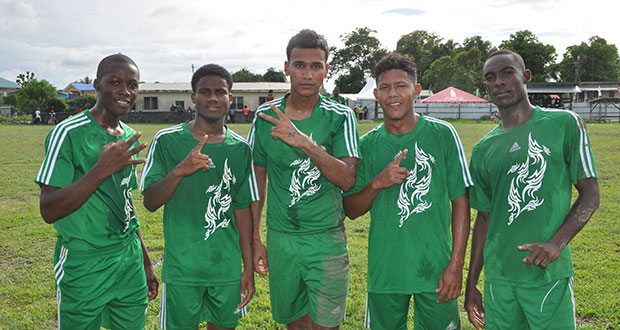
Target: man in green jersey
[
  {"x": 413, "y": 168},
  {"x": 307, "y": 145},
  {"x": 202, "y": 172},
  {"x": 86, "y": 179},
  {"x": 337, "y": 97},
  {"x": 523, "y": 171}
]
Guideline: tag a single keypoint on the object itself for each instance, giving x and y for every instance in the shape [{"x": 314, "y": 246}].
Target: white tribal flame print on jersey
[
  {"x": 416, "y": 186},
  {"x": 219, "y": 202},
  {"x": 527, "y": 181}
]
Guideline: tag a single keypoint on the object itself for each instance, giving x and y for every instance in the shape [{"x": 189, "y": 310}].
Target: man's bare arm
[
  {"x": 473, "y": 296},
  {"x": 151, "y": 278},
  {"x": 243, "y": 221},
  {"x": 543, "y": 253}
]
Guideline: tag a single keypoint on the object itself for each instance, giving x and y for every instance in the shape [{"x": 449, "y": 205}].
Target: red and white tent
[{"x": 453, "y": 95}]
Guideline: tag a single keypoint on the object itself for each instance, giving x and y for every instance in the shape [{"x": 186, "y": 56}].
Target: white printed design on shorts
[
  {"x": 130, "y": 212},
  {"x": 219, "y": 202},
  {"x": 415, "y": 187},
  {"x": 303, "y": 179},
  {"x": 528, "y": 180}
]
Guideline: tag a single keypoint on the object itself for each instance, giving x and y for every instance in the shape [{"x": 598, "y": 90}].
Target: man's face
[
  {"x": 307, "y": 68},
  {"x": 118, "y": 88},
  {"x": 505, "y": 80},
  {"x": 212, "y": 98},
  {"x": 396, "y": 93}
]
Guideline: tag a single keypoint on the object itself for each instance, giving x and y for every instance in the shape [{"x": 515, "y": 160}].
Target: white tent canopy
[{"x": 366, "y": 94}]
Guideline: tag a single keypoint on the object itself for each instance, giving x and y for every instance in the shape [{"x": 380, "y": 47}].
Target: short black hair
[
  {"x": 511, "y": 53},
  {"x": 396, "y": 61},
  {"x": 107, "y": 61},
  {"x": 307, "y": 39},
  {"x": 212, "y": 70}
]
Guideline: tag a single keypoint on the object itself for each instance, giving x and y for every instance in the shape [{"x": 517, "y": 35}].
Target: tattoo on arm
[{"x": 293, "y": 134}]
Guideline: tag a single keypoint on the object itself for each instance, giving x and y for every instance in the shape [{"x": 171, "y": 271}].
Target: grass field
[{"x": 27, "y": 292}]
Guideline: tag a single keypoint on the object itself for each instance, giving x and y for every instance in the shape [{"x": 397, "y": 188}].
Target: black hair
[
  {"x": 307, "y": 39},
  {"x": 511, "y": 53},
  {"x": 211, "y": 70},
  {"x": 396, "y": 61},
  {"x": 107, "y": 61}
]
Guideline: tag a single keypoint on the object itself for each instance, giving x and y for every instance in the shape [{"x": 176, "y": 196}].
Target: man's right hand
[
  {"x": 392, "y": 174},
  {"x": 115, "y": 156},
  {"x": 194, "y": 161},
  {"x": 474, "y": 307},
  {"x": 259, "y": 251}
]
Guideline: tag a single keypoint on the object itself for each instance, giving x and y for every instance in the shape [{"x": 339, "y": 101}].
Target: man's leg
[
  {"x": 551, "y": 306},
  {"x": 386, "y": 311},
  {"x": 502, "y": 308},
  {"x": 220, "y": 306},
  {"x": 429, "y": 314},
  {"x": 325, "y": 263},
  {"x": 288, "y": 294}
]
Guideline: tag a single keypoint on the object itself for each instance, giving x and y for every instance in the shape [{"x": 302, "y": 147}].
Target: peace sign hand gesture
[{"x": 284, "y": 129}]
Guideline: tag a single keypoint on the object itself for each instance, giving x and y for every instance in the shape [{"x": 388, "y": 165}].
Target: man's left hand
[
  {"x": 450, "y": 283},
  {"x": 151, "y": 281},
  {"x": 284, "y": 129}
]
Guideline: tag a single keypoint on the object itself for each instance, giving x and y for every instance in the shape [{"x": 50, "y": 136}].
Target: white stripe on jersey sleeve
[
  {"x": 252, "y": 176},
  {"x": 349, "y": 126},
  {"x": 584, "y": 143},
  {"x": 461, "y": 151},
  {"x": 149, "y": 156},
  {"x": 55, "y": 144}
]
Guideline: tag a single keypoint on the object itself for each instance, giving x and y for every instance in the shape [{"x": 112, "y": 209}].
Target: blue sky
[{"x": 63, "y": 40}]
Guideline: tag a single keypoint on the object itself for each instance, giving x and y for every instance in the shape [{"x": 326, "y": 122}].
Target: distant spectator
[
  {"x": 232, "y": 115},
  {"x": 37, "y": 117},
  {"x": 246, "y": 113},
  {"x": 52, "y": 120},
  {"x": 336, "y": 96},
  {"x": 270, "y": 95},
  {"x": 172, "y": 108}
]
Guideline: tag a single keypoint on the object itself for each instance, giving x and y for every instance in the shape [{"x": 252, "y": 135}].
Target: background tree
[
  {"x": 537, "y": 56},
  {"x": 10, "y": 99},
  {"x": 244, "y": 75},
  {"x": 592, "y": 61},
  {"x": 85, "y": 80},
  {"x": 35, "y": 94},
  {"x": 484, "y": 46},
  {"x": 56, "y": 104},
  {"x": 86, "y": 101},
  {"x": 361, "y": 50},
  {"x": 352, "y": 81},
  {"x": 24, "y": 78},
  {"x": 273, "y": 75},
  {"x": 446, "y": 72},
  {"x": 425, "y": 47}
]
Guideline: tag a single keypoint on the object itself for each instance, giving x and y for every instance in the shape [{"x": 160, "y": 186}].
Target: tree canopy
[
  {"x": 536, "y": 55},
  {"x": 35, "y": 94},
  {"x": 361, "y": 50},
  {"x": 592, "y": 61},
  {"x": 271, "y": 75}
]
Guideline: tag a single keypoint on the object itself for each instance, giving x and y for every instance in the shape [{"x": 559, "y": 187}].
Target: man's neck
[
  {"x": 108, "y": 122},
  {"x": 403, "y": 125},
  {"x": 516, "y": 115},
  {"x": 299, "y": 107},
  {"x": 200, "y": 127}
]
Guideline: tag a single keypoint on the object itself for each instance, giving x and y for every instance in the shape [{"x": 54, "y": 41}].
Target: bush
[{"x": 19, "y": 120}]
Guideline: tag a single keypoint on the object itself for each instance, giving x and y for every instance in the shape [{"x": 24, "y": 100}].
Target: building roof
[
  {"x": 7, "y": 84},
  {"x": 239, "y": 87},
  {"x": 81, "y": 87},
  {"x": 453, "y": 95},
  {"x": 552, "y": 88}
]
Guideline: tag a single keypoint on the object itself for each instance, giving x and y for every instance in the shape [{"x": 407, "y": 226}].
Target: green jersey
[
  {"x": 340, "y": 99},
  {"x": 410, "y": 240},
  {"x": 301, "y": 200},
  {"x": 202, "y": 241},
  {"x": 108, "y": 218},
  {"x": 524, "y": 177}
]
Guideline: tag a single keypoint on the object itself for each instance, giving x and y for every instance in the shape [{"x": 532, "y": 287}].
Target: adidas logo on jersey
[{"x": 515, "y": 147}]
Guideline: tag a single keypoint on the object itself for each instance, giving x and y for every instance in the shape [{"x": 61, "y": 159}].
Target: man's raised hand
[
  {"x": 392, "y": 174},
  {"x": 284, "y": 129},
  {"x": 194, "y": 161},
  {"x": 115, "y": 156}
]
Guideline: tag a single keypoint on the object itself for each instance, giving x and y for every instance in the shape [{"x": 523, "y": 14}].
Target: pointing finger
[
  {"x": 400, "y": 157},
  {"x": 277, "y": 111},
  {"x": 523, "y": 247},
  {"x": 200, "y": 144},
  {"x": 133, "y": 139}
]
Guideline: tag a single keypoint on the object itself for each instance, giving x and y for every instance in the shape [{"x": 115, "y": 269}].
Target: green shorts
[
  {"x": 551, "y": 306},
  {"x": 308, "y": 274},
  {"x": 389, "y": 311},
  {"x": 88, "y": 283},
  {"x": 185, "y": 307}
]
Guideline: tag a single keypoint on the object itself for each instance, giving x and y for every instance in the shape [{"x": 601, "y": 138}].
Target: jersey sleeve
[
  {"x": 577, "y": 150},
  {"x": 259, "y": 155},
  {"x": 458, "y": 175},
  {"x": 58, "y": 165},
  {"x": 244, "y": 194},
  {"x": 362, "y": 178},
  {"x": 480, "y": 192},
  {"x": 154, "y": 169},
  {"x": 346, "y": 135}
]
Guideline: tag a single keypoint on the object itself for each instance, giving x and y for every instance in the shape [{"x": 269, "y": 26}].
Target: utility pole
[{"x": 192, "y": 69}]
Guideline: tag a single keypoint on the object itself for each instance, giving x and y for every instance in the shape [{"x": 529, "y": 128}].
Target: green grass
[{"x": 27, "y": 293}]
